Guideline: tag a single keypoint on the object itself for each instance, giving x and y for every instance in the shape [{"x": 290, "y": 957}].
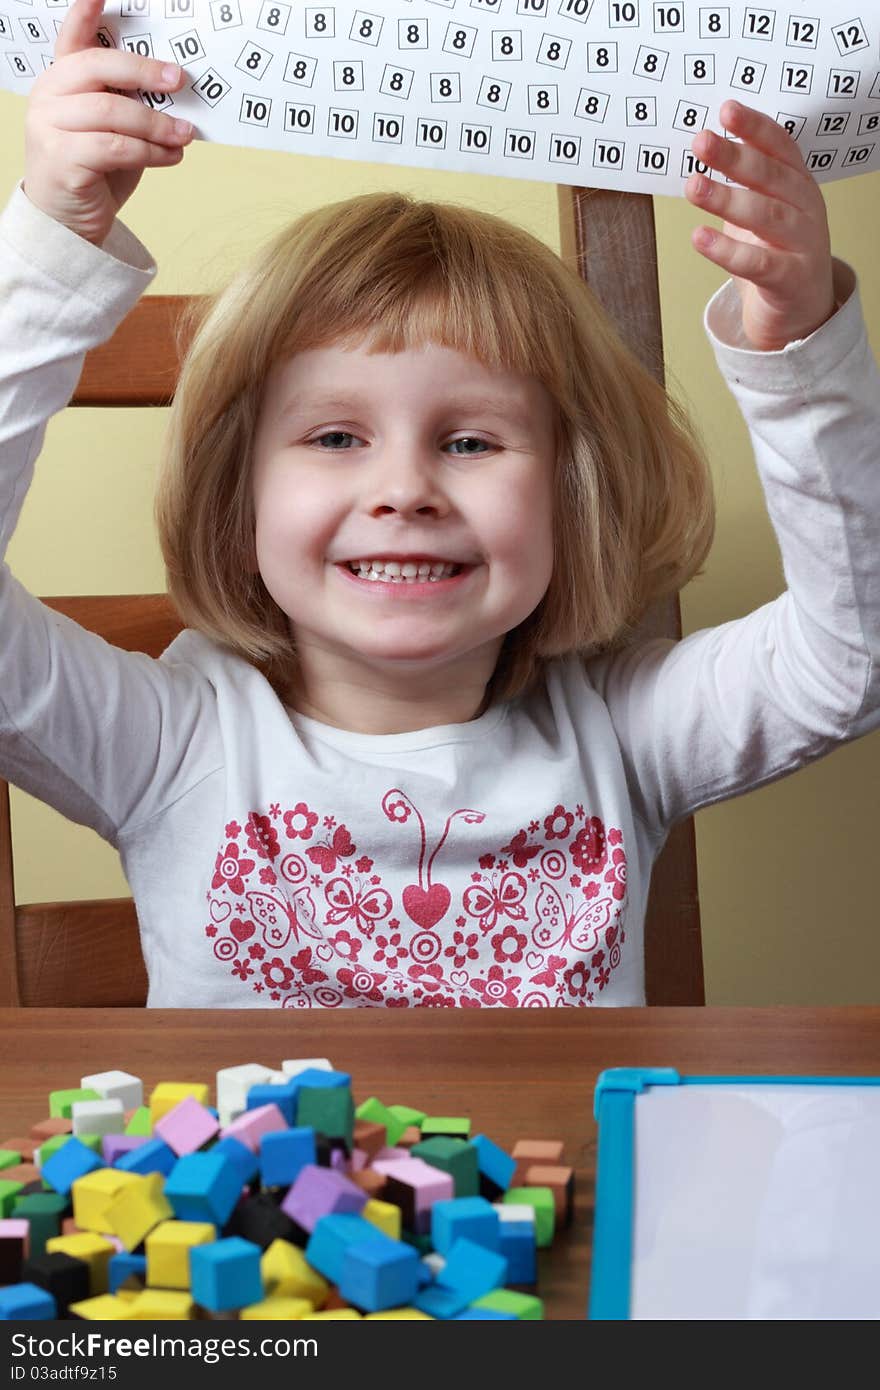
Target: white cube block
[
  {"x": 233, "y": 1084},
  {"x": 515, "y": 1211},
  {"x": 116, "y": 1085},
  {"x": 294, "y": 1066},
  {"x": 97, "y": 1117}
]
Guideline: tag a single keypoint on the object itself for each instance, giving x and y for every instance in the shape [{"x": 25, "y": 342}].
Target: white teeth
[{"x": 395, "y": 572}]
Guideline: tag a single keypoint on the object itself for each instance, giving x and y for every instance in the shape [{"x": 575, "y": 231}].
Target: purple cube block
[
  {"x": 113, "y": 1145},
  {"x": 321, "y": 1192}
]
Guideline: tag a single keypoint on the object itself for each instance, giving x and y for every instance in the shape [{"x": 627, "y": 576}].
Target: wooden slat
[
  {"x": 80, "y": 955},
  {"x": 611, "y": 238},
  {"x": 135, "y": 622},
  {"x": 139, "y": 365}
]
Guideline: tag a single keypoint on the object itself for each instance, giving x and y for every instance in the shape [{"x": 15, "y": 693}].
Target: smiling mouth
[{"x": 404, "y": 572}]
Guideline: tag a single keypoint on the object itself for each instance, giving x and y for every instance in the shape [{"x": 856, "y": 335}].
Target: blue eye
[
  {"x": 333, "y": 434},
  {"x": 469, "y": 439}
]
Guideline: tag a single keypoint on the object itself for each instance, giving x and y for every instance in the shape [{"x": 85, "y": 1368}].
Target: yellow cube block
[
  {"x": 167, "y": 1094},
  {"x": 402, "y": 1314},
  {"x": 384, "y": 1215},
  {"x": 338, "y": 1314},
  {"x": 137, "y": 1209},
  {"x": 163, "y": 1305},
  {"x": 168, "y": 1246},
  {"x": 286, "y": 1271},
  {"x": 106, "y": 1307},
  {"x": 278, "y": 1308},
  {"x": 91, "y": 1248},
  {"x": 94, "y": 1193}
]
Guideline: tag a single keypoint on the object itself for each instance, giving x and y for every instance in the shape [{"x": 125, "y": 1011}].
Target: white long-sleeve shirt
[{"x": 275, "y": 860}]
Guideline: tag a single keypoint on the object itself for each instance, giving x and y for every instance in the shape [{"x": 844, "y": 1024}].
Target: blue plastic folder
[{"x": 737, "y": 1197}]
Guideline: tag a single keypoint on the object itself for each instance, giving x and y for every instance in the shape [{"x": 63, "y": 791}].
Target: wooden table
[{"x": 517, "y": 1073}]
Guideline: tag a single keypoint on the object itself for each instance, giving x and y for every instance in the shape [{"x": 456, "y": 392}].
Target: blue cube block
[
  {"x": 379, "y": 1273},
  {"x": 243, "y": 1159},
  {"x": 438, "y": 1301},
  {"x": 71, "y": 1160},
  {"x": 473, "y": 1270},
  {"x": 122, "y": 1266},
  {"x": 471, "y": 1218},
  {"x": 484, "y": 1315},
  {"x": 520, "y": 1250},
  {"x": 331, "y": 1237},
  {"x": 26, "y": 1301},
  {"x": 203, "y": 1187},
  {"x": 493, "y": 1162},
  {"x": 155, "y": 1156},
  {"x": 282, "y": 1096},
  {"x": 314, "y": 1076},
  {"x": 225, "y": 1274},
  {"x": 283, "y": 1152}
]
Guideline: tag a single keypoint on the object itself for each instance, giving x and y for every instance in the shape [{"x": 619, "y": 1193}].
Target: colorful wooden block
[
  {"x": 259, "y": 1218},
  {"x": 233, "y": 1084},
  {"x": 226, "y": 1274},
  {"x": 520, "y": 1250},
  {"x": 471, "y": 1218},
  {"x": 560, "y": 1180},
  {"x": 94, "y": 1250},
  {"x": 251, "y": 1125},
  {"x": 105, "y": 1307},
  {"x": 449, "y": 1126},
  {"x": 280, "y": 1308},
  {"x": 287, "y": 1273},
  {"x": 203, "y": 1187},
  {"x": 400, "y": 1315},
  {"x": 284, "y": 1153},
  {"x": 495, "y": 1165},
  {"x": 454, "y": 1156},
  {"x": 14, "y": 1248},
  {"x": 472, "y": 1270},
  {"x": 125, "y": 1266},
  {"x": 320, "y": 1192},
  {"x": 330, "y": 1239},
  {"x": 97, "y": 1117},
  {"x": 186, "y": 1127},
  {"x": 271, "y": 1093},
  {"x": 379, "y": 1273},
  {"x": 373, "y": 1110},
  {"x": 526, "y": 1306},
  {"x": 544, "y": 1204},
  {"x": 167, "y": 1094},
  {"x": 72, "y": 1159},
  {"x": 26, "y": 1301},
  {"x": 139, "y": 1122},
  {"x": 329, "y": 1109},
  {"x": 47, "y": 1129},
  {"x": 137, "y": 1209},
  {"x": 294, "y": 1066},
  {"x": 62, "y": 1275},
  {"x": 93, "y": 1193},
  {"x": 116, "y": 1085},
  {"x": 162, "y": 1305},
  {"x": 152, "y": 1156},
  {"x": 168, "y": 1249},
  {"x": 43, "y": 1212},
  {"x": 61, "y": 1102},
  {"x": 385, "y": 1216}
]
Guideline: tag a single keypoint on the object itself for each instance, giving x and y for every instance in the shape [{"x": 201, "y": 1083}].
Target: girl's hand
[
  {"x": 775, "y": 241},
  {"x": 85, "y": 146}
]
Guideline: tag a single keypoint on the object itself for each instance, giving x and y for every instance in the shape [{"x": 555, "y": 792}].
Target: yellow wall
[{"x": 787, "y": 874}]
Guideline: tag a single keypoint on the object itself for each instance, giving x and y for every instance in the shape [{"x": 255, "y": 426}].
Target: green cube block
[
  {"x": 9, "y": 1159},
  {"x": 408, "y": 1115},
  {"x": 9, "y": 1191},
  {"x": 450, "y": 1126},
  {"x": 60, "y": 1102},
  {"x": 379, "y": 1114},
  {"x": 328, "y": 1109},
  {"x": 541, "y": 1198},
  {"x": 51, "y": 1146},
  {"x": 140, "y": 1121},
  {"x": 43, "y": 1212},
  {"x": 524, "y": 1305},
  {"x": 455, "y": 1157}
]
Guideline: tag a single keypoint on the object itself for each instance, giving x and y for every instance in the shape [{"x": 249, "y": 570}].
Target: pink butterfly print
[
  {"x": 488, "y": 904},
  {"x": 555, "y": 925},
  {"x": 325, "y": 855},
  {"x": 519, "y": 851},
  {"x": 278, "y": 918},
  {"x": 364, "y": 908},
  {"x": 309, "y": 975},
  {"x": 548, "y": 976}
]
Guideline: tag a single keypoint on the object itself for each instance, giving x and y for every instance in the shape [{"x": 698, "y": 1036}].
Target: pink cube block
[
  {"x": 385, "y": 1154},
  {"x": 321, "y": 1192},
  {"x": 187, "y": 1127},
  {"x": 250, "y": 1125},
  {"x": 14, "y": 1228},
  {"x": 429, "y": 1184}
]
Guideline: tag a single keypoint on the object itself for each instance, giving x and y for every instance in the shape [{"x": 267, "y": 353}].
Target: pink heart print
[{"x": 426, "y": 908}]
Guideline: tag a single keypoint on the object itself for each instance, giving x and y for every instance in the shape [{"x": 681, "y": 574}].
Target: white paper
[
  {"x": 598, "y": 93},
  {"x": 757, "y": 1202}
]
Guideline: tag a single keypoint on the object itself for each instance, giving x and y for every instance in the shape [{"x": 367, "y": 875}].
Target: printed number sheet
[{"x": 595, "y": 93}]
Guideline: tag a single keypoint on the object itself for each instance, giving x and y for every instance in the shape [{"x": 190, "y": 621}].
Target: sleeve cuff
[
  {"x": 800, "y": 361},
  {"x": 100, "y": 271}
]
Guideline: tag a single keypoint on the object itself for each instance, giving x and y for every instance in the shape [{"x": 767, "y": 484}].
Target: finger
[
  {"x": 103, "y": 111},
  {"x": 94, "y": 68},
  {"x": 102, "y": 152},
  {"x": 770, "y": 219},
  {"x": 756, "y": 170},
  {"x": 762, "y": 132},
  {"x": 762, "y": 265},
  {"x": 79, "y": 28}
]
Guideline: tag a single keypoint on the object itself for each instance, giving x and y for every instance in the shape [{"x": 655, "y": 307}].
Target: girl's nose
[{"x": 406, "y": 483}]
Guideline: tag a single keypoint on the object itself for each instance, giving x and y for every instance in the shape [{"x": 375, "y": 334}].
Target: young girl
[{"x": 417, "y": 496}]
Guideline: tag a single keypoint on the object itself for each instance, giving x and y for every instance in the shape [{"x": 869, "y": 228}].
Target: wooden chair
[{"x": 87, "y": 953}]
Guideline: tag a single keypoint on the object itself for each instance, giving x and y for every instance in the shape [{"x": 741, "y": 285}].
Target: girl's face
[{"x": 415, "y": 459}]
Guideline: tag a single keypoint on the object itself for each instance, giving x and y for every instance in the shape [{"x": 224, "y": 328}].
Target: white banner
[{"x": 600, "y": 93}]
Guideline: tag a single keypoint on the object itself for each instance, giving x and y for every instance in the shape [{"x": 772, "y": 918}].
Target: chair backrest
[{"x": 88, "y": 953}]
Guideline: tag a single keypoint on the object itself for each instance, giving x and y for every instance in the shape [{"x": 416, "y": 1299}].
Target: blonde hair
[{"x": 633, "y": 508}]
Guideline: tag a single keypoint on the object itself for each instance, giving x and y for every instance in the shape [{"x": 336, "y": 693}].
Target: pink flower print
[
  {"x": 275, "y": 810},
  {"x": 397, "y": 1003},
  {"x": 498, "y": 988},
  {"x": 256, "y": 952},
  {"x": 468, "y": 1003},
  {"x": 346, "y": 945},
  {"x": 262, "y": 836},
  {"x": 463, "y": 948},
  {"x": 229, "y": 869},
  {"x": 300, "y": 822},
  {"x": 577, "y": 979},
  {"x": 557, "y": 826},
  {"x": 232, "y": 830},
  {"x": 364, "y": 865},
  {"x": 268, "y": 876},
  {"x": 519, "y": 851},
  {"x": 430, "y": 977},
  {"x": 615, "y": 837},
  {"x": 602, "y": 978},
  {"x": 592, "y": 890},
  {"x": 509, "y": 945},
  {"x": 588, "y": 849},
  {"x": 598, "y": 959},
  {"x": 242, "y": 969},
  {"x": 616, "y": 875},
  {"x": 361, "y": 984},
  {"x": 487, "y": 861},
  {"x": 276, "y": 973},
  {"x": 210, "y": 931},
  {"x": 397, "y": 811},
  {"x": 390, "y": 950},
  {"x": 438, "y": 1001}
]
